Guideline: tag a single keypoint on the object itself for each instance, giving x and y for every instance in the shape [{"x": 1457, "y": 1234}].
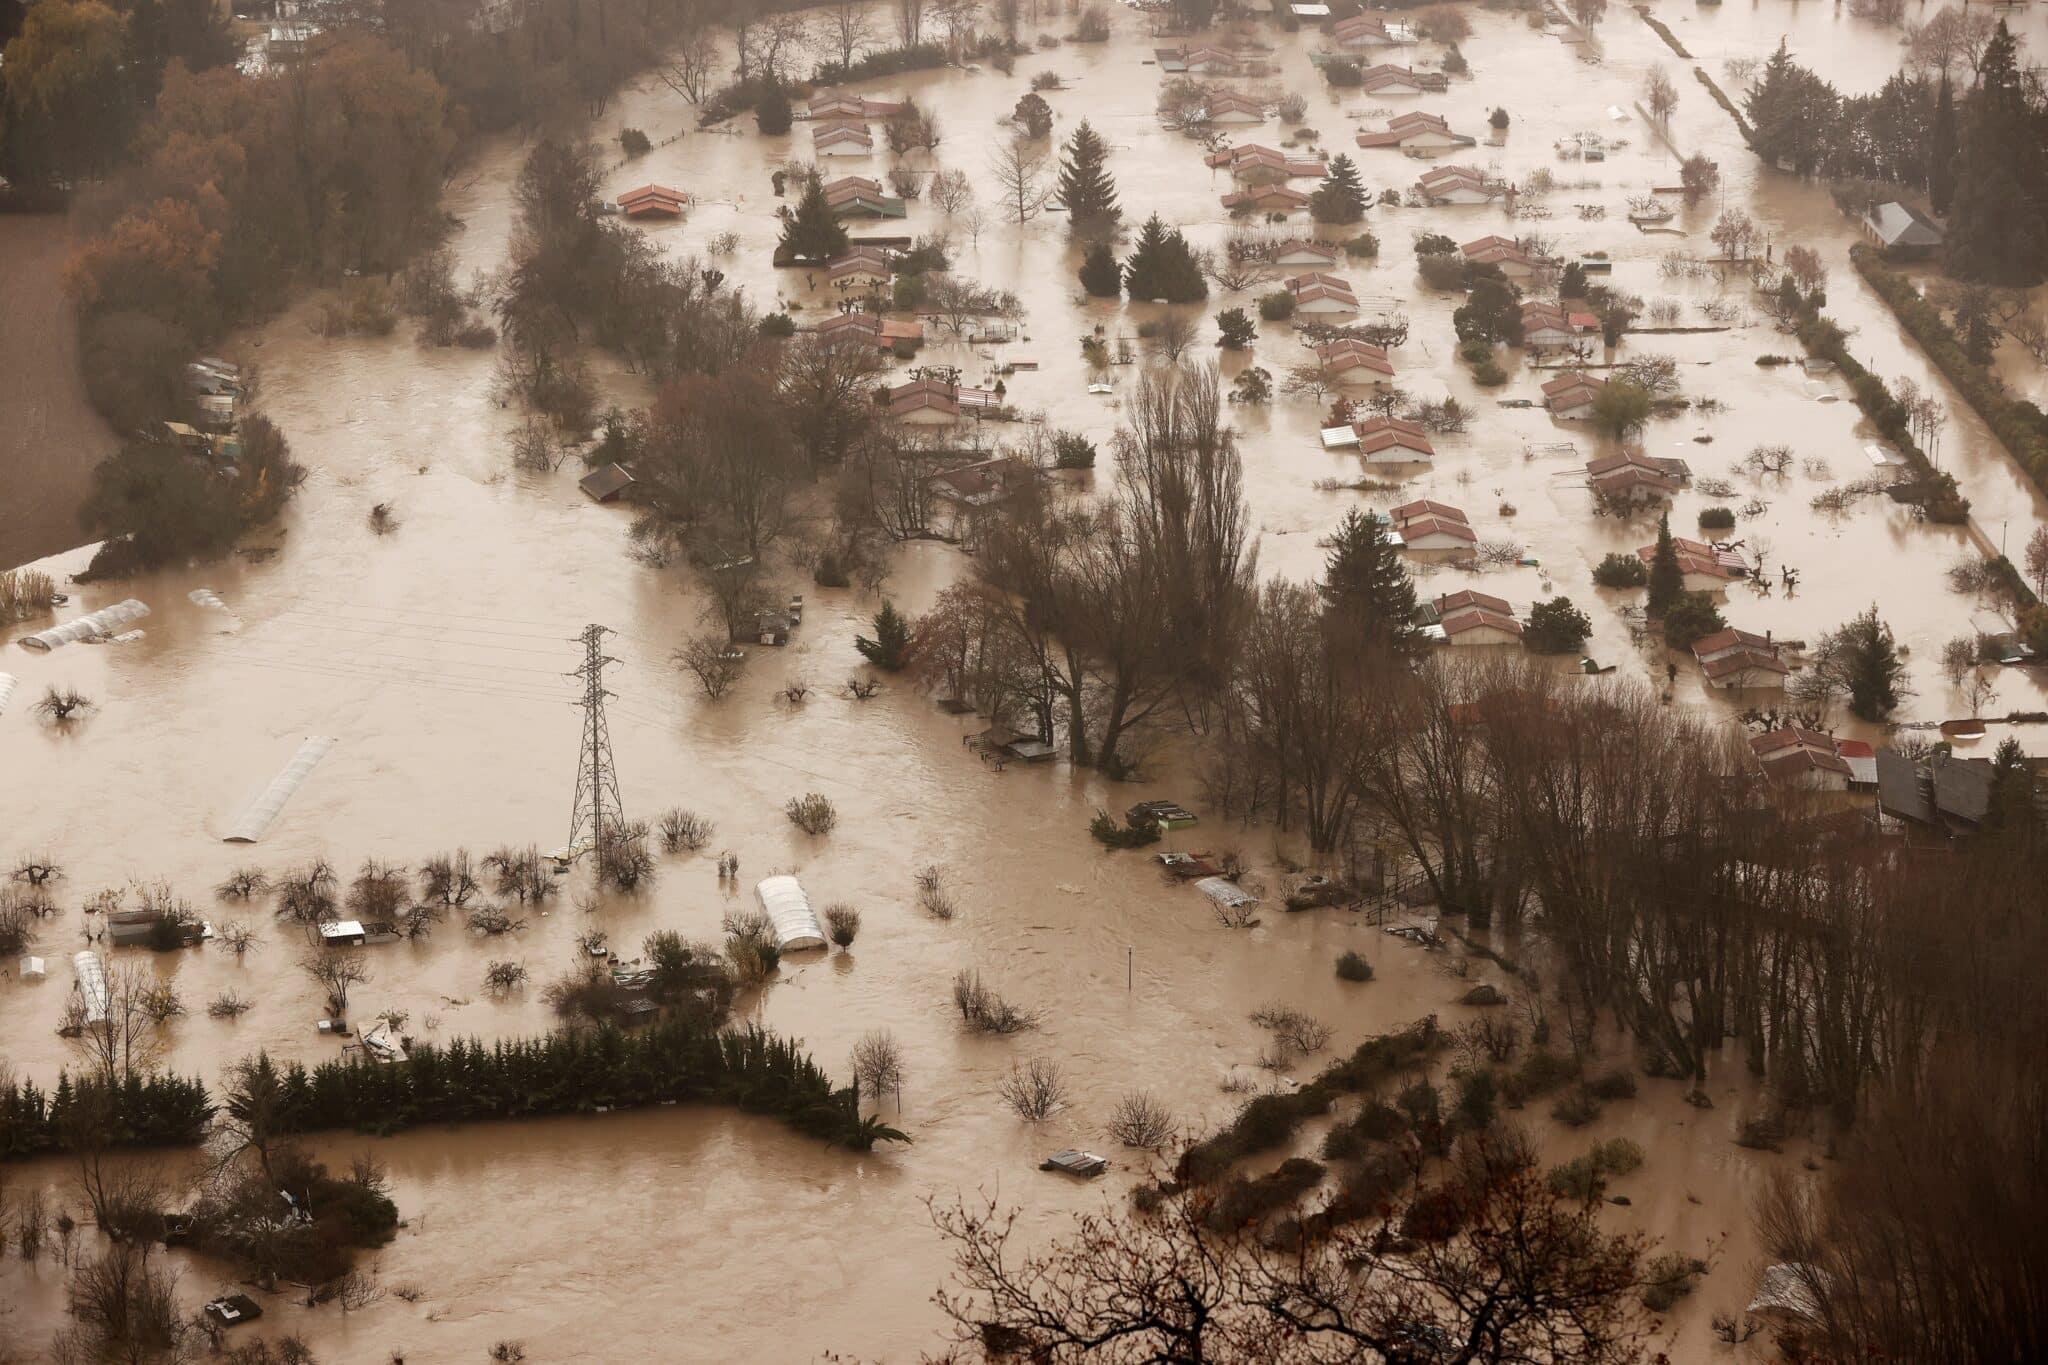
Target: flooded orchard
[{"x": 435, "y": 656}]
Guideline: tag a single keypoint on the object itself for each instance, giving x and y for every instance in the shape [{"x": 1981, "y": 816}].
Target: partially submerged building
[
  {"x": 788, "y": 908},
  {"x": 1415, "y": 131}
]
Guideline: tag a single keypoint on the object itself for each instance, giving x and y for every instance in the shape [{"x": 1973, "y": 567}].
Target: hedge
[{"x": 1935, "y": 491}]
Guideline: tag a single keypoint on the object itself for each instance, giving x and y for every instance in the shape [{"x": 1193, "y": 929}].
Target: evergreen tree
[
  {"x": 1996, "y": 232},
  {"x": 772, "y": 114},
  {"x": 1085, "y": 186},
  {"x": 1366, "y": 592},
  {"x": 1163, "y": 266},
  {"x": 1667, "y": 582},
  {"x": 1941, "y": 149},
  {"x": 1100, "y": 274},
  {"x": 1341, "y": 197},
  {"x": 813, "y": 232},
  {"x": 1791, "y": 114},
  {"x": 890, "y": 649},
  {"x": 1865, "y": 657},
  {"x": 1573, "y": 283}
]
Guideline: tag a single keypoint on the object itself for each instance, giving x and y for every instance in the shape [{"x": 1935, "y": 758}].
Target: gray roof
[
  {"x": 1898, "y": 788},
  {"x": 1899, "y": 224},
  {"x": 1962, "y": 788}
]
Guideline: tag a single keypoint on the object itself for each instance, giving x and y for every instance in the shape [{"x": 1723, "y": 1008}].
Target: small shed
[
  {"x": 1168, "y": 815},
  {"x": 33, "y": 969},
  {"x": 1087, "y": 1165},
  {"x": 606, "y": 484},
  {"x": 343, "y": 933},
  {"x": 788, "y": 908}
]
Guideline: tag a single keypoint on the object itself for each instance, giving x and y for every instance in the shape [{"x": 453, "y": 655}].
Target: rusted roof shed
[{"x": 605, "y": 485}]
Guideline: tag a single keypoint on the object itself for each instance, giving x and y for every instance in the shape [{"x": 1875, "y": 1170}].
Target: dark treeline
[
  {"x": 677, "y": 1060},
  {"x": 136, "y": 1110}
]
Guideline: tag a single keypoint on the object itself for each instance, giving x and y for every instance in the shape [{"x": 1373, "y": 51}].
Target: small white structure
[
  {"x": 788, "y": 909},
  {"x": 339, "y": 932},
  {"x": 33, "y": 969},
  {"x": 1226, "y": 893},
  {"x": 7, "y": 682},
  {"x": 103, "y": 624},
  {"x": 256, "y": 817},
  {"x": 91, "y": 985}
]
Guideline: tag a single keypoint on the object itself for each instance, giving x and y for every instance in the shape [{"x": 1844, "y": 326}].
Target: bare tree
[
  {"x": 849, "y": 30},
  {"x": 878, "y": 1065},
  {"x": 1173, "y": 336},
  {"x": 950, "y": 190},
  {"x": 1036, "y": 1090},
  {"x": 62, "y": 705},
  {"x": 1142, "y": 1120},
  {"x": 910, "y": 22},
  {"x": 1020, "y": 172},
  {"x": 691, "y": 66},
  {"x": 713, "y": 661},
  {"x": 335, "y": 970}
]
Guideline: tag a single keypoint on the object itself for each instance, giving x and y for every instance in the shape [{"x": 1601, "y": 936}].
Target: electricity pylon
[{"x": 597, "y": 810}]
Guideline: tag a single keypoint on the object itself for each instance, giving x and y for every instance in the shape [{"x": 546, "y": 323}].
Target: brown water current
[{"x": 436, "y": 658}]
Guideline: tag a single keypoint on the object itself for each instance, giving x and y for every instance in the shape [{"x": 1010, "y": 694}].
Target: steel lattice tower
[{"x": 597, "y": 810}]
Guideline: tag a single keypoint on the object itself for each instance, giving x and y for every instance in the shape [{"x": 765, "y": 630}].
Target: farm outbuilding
[{"x": 788, "y": 907}]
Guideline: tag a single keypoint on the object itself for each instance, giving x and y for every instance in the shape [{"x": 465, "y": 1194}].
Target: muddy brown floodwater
[{"x": 435, "y": 657}]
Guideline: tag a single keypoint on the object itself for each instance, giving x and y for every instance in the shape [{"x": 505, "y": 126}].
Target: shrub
[
  {"x": 842, "y": 922},
  {"x": 1669, "y": 1278},
  {"x": 1615, "y": 1085},
  {"x": 812, "y": 813},
  {"x": 751, "y": 949},
  {"x": 1717, "y": 518},
  {"x": 1072, "y": 450},
  {"x": 1477, "y": 1092},
  {"x": 1113, "y": 835},
  {"x": 1576, "y": 1109},
  {"x": 1556, "y": 627},
  {"x": 1621, "y": 571},
  {"x": 1277, "y": 306},
  {"x": 1242, "y": 1202},
  {"x": 1442, "y": 270},
  {"x": 986, "y": 1012},
  {"x": 1580, "y": 1179},
  {"x": 1539, "y": 1074},
  {"x": 1234, "y": 329},
  {"x": 1617, "y": 1156},
  {"x": 1489, "y": 374},
  {"x": 633, "y": 142},
  {"x": 1364, "y": 245},
  {"x": 778, "y": 325},
  {"x": 1141, "y": 1120},
  {"x": 1352, "y": 967},
  {"x": 684, "y": 831}
]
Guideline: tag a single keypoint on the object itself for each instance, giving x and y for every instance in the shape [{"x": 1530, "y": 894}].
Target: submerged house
[
  {"x": 1704, "y": 567},
  {"x": 1233, "y": 110},
  {"x": 1389, "y": 440},
  {"x": 1901, "y": 230},
  {"x": 1251, "y": 161},
  {"x": 1504, "y": 253},
  {"x": 1629, "y": 476},
  {"x": 856, "y": 196},
  {"x": 1355, "y": 363},
  {"x": 1458, "y": 185},
  {"x": 1569, "y": 397},
  {"x": 1299, "y": 254},
  {"x": 653, "y": 201},
  {"x": 1387, "y": 79},
  {"x": 1415, "y": 131},
  {"x": 1548, "y": 325},
  {"x": 1466, "y": 618},
  {"x": 860, "y": 267},
  {"x": 1265, "y": 199},
  {"x": 838, "y": 105},
  {"x": 1319, "y": 293},
  {"x": 1431, "y": 526},
  {"x": 1733, "y": 660},
  {"x": 841, "y": 139},
  {"x": 871, "y": 329}
]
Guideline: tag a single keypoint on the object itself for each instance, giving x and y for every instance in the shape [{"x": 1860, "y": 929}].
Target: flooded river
[{"x": 435, "y": 657}]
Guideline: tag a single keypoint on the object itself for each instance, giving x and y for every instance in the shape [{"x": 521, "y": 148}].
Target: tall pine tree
[
  {"x": 1341, "y": 196},
  {"x": 813, "y": 233},
  {"x": 1996, "y": 233},
  {"x": 1162, "y": 266},
  {"x": 1941, "y": 149},
  {"x": 1667, "y": 580},
  {"x": 1792, "y": 113},
  {"x": 1367, "y": 597},
  {"x": 1085, "y": 186}
]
